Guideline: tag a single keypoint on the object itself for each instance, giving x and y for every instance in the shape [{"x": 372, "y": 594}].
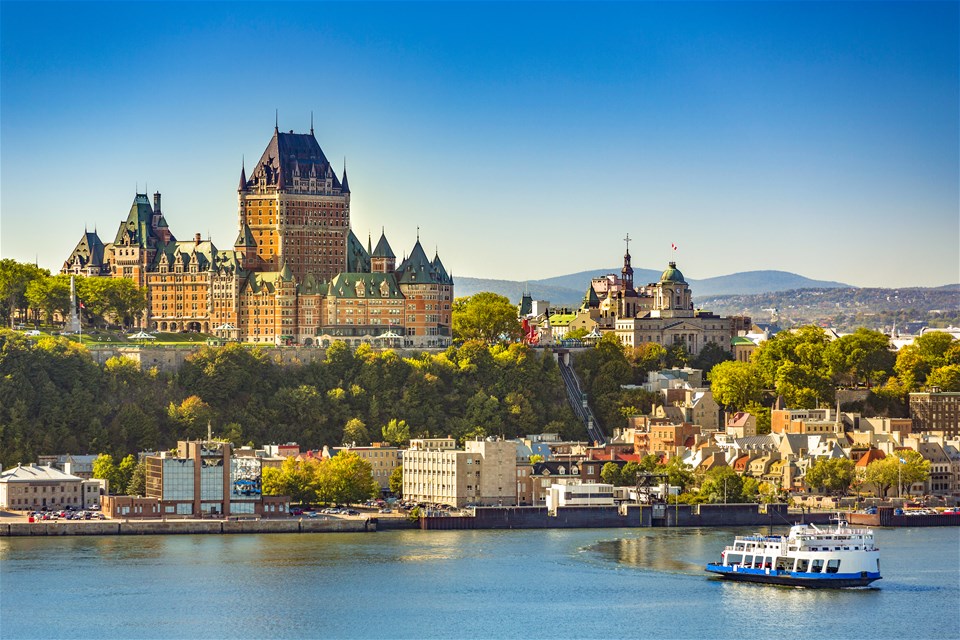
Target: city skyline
[{"x": 545, "y": 131}]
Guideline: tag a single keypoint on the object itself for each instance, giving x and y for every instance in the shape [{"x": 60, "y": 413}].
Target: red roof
[{"x": 870, "y": 456}]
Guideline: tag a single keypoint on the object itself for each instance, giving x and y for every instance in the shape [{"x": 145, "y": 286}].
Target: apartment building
[{"x": 484, "y": 472}]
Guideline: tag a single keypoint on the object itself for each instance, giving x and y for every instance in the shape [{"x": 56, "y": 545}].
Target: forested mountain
[
  {"x": 568, "y": 290},
  {"x": 55, "y": 399}
]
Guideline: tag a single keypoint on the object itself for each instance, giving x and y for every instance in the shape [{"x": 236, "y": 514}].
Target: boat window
[
  {"x": 833, "y": 566},
  {"x": 817, "y": 566},
  {"x": 802, "y": 565}
]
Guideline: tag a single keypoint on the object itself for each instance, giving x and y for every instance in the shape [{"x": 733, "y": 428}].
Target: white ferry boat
[{"x": 807, "y": 557}]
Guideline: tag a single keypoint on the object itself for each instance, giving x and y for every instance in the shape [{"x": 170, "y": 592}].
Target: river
[{"x": 588, "y": 583}]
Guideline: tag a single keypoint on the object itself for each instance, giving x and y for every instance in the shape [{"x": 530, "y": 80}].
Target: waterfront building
[
  {"x": 585, "y": 494},
  {"x": 33, "y": 487},
  {"x": 205, "y": 478},
  {"x": 484, "y": 472},
  {"x": 543, "y": 475},
  {"x": 296, "y": 273}
]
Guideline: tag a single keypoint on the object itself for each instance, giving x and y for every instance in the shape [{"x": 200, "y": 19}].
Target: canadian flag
[
  {"x": 82, "y": 306},
  {"x": 673, "y": 246}
]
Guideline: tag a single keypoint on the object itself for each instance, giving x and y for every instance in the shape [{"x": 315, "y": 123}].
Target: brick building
[{"x": 296, "y": 272}]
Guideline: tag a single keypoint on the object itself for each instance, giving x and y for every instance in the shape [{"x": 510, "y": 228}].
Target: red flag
[
  {"x": 673, "y": 246},
  {"x": 82, "y": 306}
]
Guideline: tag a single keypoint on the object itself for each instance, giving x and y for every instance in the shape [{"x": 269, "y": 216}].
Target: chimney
[
  {"x": 196, "y": 238},
  {"x": 156, "y": 202}
]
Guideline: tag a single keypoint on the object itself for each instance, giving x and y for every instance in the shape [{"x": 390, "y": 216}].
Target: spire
[
  {"x": 276, "y": 121},
  {"x": 311, "y": 122},
  {"x": 286, "y": 274},
  {"x": 369, "y": 243},
  {"x": 243, "y": 175},
  {"x": 344, "y": 185},
  {"x": 245, "y": 237}
]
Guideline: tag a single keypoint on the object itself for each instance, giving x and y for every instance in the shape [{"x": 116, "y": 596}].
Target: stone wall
[{"x": 161, "y": 527}]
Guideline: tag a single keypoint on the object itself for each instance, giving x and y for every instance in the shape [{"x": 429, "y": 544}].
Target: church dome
[{"x": 672, "y": 274}]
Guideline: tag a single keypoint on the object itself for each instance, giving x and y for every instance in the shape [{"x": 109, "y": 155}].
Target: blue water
[{"x": 612, "y": 583}]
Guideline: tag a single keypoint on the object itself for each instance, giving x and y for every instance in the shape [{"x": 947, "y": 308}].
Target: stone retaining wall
[{"x": 148, "y": 527}]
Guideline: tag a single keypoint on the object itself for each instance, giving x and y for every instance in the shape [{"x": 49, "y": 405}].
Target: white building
[
  {"x": 585, "y": 494},
  {"x": 483, "y": 473},
  {"x": 31, "y": 487}
]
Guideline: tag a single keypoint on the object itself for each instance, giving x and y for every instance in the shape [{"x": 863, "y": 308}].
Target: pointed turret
[
  {"x": 243, "y": 178},
  {"x": 417, "y": 268},
  {"x": 344, "y": 186},
  {"x": 442, "y": 274},
  {"x": 590, "y": 299},
  {"x": 245, "y": 237},
  {"x": 286, "y": 274},
  {"x": 382, "y": 259}
]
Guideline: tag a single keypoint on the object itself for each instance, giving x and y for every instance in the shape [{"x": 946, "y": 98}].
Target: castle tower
[
  {"x": 296, "y": 208},
  {"x": 382, "y": 259}
]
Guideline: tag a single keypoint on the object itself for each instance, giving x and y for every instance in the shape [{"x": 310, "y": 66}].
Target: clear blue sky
[{"x": 525, "y": 140}]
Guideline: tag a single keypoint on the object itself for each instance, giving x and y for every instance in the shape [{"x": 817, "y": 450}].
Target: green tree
[
  {"x": 628, "y": 474},
  {"x": 105, "y": 468},
  {"x": 862, "y": 356},
  {"x": 355, "y": 431},
  {"x": 125, "y": 471},
  {"x": 830, "y": 475},
  {"x": 191, "y": 417},
  {"x": 792, "y": 362},
  {"x": 396, "y": 432},
  {"x": 137, "y": 486},
  {"x": 294, "y": 478},
  {"x": 485, "y": 316},
  {"x": 610, "y": 473},
  {"x": 711, "y": 354},
  {"x": 722, "y": 484},
  {"x": 735, "y": 384},
  {"x": 750, "y": 491},
  {"x": 679, "y": 474},
  {"x": 536, "y": 458},
  {"x": 396, "y": 481},
  {"x": 346, "y": 478},
  {"x": 15, "y": 277},
  {"x": 49, "y": 295},
  {"x": 947, "y": 378},
  {"x": 648, "y": 356},
  {"x": 677, "y": 356}
]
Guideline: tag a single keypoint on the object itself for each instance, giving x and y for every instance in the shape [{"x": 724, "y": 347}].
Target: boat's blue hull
[{"x": 794, "y": 578}]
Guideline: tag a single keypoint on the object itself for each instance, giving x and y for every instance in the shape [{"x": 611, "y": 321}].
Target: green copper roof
[
  {"x": 136, "y": 229},
  {"x": 358, "y": 260},
  {"x": 672, "y": 274},
  {"x": 383, "y": 249},
  {"x": 590, "y": 299},
  {"x": 245, "y": 237},
  {"x": 364, "y": 285}
]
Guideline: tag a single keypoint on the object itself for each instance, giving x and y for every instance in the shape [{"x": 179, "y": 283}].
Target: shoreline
[{"x": 505, "y": 518}]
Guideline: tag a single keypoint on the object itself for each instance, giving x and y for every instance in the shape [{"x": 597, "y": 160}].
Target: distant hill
[
  {"x": 568, "y": 290},
  {"x": 846, "y": 308}
]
